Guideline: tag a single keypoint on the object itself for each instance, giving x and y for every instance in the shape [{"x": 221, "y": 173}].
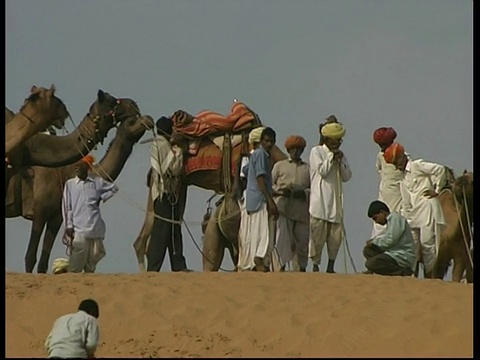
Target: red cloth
[
  {"x": 88, "y": 159},
  {"x": 384, "y": 135},
  {"x": 393, "y": 153}
]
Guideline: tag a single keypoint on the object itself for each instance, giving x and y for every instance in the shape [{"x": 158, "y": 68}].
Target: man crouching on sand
[{"x": 392, "y": 253}]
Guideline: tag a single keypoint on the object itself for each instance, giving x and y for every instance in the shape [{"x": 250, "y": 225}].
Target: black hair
[
  {"x": 164, "y": 126},
  {"x": 375, "y": 208},
  {"x": 268, "y": 131},
  {"x": 90, "y": 307}
]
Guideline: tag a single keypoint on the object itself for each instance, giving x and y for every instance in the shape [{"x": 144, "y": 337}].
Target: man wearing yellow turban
[
  {"x": 328, "y": 170},
  {"x": 421, "y": 182},
  {"x": 291, "y": 190}
]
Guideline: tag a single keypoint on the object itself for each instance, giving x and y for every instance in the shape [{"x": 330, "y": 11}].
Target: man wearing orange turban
[
  {"x": 421, "y": 182},
  {"x": 390, "y": 177},
  {"x": 84, "y": 226},
  {"x": 291, "y": 190}
]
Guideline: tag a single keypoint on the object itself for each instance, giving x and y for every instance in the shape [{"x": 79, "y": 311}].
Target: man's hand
[
  {"x": 69, "y": 235},
  {"x": 287, "y": 192},
  {"x": 299, "y": 194},
  {"x": 369, "y": 242},
  {"x": 430, "y": 193},
  {"x": 337, "y": 155},
  {"x": 272, "y": 209}
]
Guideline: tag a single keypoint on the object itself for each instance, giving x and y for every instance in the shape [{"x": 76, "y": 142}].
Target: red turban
[
  {"x": 89, "y": 160},
  {"x": 393, "y": 153},
  {"x": 384, "y": 135},
  {"x": 295, "y": 141}
]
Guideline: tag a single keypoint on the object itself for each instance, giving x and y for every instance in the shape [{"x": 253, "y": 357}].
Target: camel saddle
[{"x": 19, "y": 199}]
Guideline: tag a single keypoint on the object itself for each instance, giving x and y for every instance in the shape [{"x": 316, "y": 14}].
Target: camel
[
  {"x": 41, "y": 109},
  {"x": 455, "y": 238},
  {"x": 48, "y": 189},
  {"x": 215, "y": 242},
  {"x": 54, "y": 151}
]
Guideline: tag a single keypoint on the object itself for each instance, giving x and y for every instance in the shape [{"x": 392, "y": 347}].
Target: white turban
[
  {"x": 333, "y": 131},
  {"x": 60, "y": 265},
  {"x": 255, "y": 135}
]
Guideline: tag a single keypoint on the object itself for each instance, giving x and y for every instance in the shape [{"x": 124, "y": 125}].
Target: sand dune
[{"x": 248, "y": 314}]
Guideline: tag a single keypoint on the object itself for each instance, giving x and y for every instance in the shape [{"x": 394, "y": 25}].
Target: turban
[
  {"x": 60, "y": 266},
  {"x": 164, "y": 126},
  {"x": 295, "y": 141},
  {"x": 255, "y": 135},
  {"x": 89, "y": 160},
  {"x": 333, "y": 131},
  {"x": 375, "y": 208},
  {"x": 393, "y": 153},
  {"x": 384, "y": 135}
]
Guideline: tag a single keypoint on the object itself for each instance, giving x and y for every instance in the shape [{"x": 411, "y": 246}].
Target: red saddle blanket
[{"x": 212, "y": 123}]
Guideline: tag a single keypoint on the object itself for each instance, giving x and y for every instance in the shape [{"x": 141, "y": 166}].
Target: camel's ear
[
  {"x": 33, "y": 89},
  {"x": 52, "y": 89},
  {"x": 101, "y": 95},
  {"x": 465, "y": 171}
]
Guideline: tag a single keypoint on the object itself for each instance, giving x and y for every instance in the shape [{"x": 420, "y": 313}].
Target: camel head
[
  {"x": 133, "y": 128},
  {"x": 115, "y": 110},
  {"x": 43, "y": 101},
  {"x": 463, "y": 188}
]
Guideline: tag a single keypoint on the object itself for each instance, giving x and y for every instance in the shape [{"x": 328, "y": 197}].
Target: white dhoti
[
  {"x": 256, "y": 238},
  {"x": 85, "y": 254},
  {"x": 322, "y": 231},
  {"x": 426, "y": 240},
  {"x": 292, "y": 242}
]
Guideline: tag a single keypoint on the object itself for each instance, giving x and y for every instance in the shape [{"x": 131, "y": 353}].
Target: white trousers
[
  {"x": 322, "y": 231},
  {"x": 85, "y": 254},
  {"x": 426, "y": 240},
  {"x": 292, "y": 242}
]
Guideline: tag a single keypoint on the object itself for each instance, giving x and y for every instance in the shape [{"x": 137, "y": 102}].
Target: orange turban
[
  {"x": 384, "y": 135},
  {"x": 393, "y": 153},
  {"x": 88, "y": 159},
  {"x": 295, "y": 141}
]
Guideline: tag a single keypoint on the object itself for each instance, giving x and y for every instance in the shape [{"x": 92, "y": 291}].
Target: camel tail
[{"x": 141, "y": 243}]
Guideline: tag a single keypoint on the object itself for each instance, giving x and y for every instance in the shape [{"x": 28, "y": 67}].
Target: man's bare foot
[{"x": 259, "y": 264}]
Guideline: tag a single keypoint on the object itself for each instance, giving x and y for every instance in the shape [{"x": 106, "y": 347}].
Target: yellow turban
[
  {"x": 333, "y": 131},
  {"x": 60, "y": 266},
  {"x": 255, "y": 135}
]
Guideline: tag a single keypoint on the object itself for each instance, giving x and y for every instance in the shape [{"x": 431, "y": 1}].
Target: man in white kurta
[
  {"x": 420, "y": 185},
  {"x": 291, "y": 190},
  {"x": 328, "y": 170},
  {"x": 390, "y": 177}
]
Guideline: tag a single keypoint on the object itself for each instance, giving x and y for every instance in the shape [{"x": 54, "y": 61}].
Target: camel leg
[
  {"x": 53, "y": 226},
  {"x": 141, "y": 243},
  {"x": 441, "y": 263},
  {"x": 212, "y": 248},
  {"x": 38, "y": 223},
  {"x": 458, "y": 268},
  {"x": 233, "y": 252}
]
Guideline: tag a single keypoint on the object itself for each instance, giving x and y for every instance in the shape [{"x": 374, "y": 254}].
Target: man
[
  {"x": 390, "y": 177},
  {"x": 261, "y": 209},
  {"x": 421, "y": 182},
  {"x": 166, "y": 159},
  {"x": 291, "y": 190},
  {"x": 254, "y": 142},
  {"x": 328, "y": 169},
  {"x": 85, "y": 228},
  {"x": 394, "y": 252},
  {"x": 75, "y": 335}
]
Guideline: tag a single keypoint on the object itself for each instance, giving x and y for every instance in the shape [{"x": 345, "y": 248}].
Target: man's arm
[
  {"x": 345, "y": 171},
  {"x": 93, "y": 335},
  {"x": 318, "y": 164},
  {"x": 436, "y": 172},
  {"x": 176, "y": 165},
  {"x": 67, "y": 212},
  {"x": 378, "y": 163},
  {"x": 395, "y": 229},
  {"x": 107, "y": 189},
  {"x": 261, "y": 166}
]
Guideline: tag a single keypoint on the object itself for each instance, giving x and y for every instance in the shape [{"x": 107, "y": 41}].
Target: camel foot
[{"x": 316, "y": 268}]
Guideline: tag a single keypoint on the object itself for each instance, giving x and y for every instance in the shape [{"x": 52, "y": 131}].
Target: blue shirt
[
  {"x": 81, "y": 205},
  {"x": 397, "y": 242},
  {"x": 259, "y": 165}
]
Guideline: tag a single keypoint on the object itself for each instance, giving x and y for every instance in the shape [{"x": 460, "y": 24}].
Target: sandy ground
[{"x": 247, "y": 314}]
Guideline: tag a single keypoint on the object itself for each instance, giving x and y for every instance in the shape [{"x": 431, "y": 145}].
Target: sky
[{"x": 401, "y": 63}]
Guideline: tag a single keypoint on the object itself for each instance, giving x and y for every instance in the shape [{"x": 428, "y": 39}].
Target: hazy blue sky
[{"x": 401, "y": 63}]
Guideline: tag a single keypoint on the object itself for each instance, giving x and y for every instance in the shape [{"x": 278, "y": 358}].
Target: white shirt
[
  {"x": 81, "y": 205},
  {"x": 389, "y": 189},
  {"x": 325, "y": 188},
  {"x": 419, "y": 176},
  {"x": 73, "y": 336}
]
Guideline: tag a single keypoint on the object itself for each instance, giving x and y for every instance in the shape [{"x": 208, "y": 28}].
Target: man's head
[
  {"x": 395, "y": 155},
  {"x": 90, "y": 307},
  {"x": 333, "y": 134},
  {"x": 384, "y": 137},
  {"x": 83, "y": 166},
  {"x": 254, "y": 136},
  {"x": 164, "y": 127},
  {"x": 268, "y": 138},
  {"x": 295, "y": 145},
  {"x": 378, "y": 211}
]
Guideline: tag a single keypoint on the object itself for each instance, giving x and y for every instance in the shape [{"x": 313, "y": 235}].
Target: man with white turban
[
  {"x": 328, "y": 170},
  {"x": 420, "y": 185},
  {"x": 390, "y": 177}
]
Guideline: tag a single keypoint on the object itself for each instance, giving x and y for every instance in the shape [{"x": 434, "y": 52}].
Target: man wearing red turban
[
  {"x": 291, "y": 190},
  {"x": 389, "y": 188},
  {"x": 421, "y": 182}
]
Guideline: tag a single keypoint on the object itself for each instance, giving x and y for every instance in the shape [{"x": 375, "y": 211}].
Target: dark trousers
[
  {"x": 383, "y": 264},
  {"x": 166, "y": 235}
]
